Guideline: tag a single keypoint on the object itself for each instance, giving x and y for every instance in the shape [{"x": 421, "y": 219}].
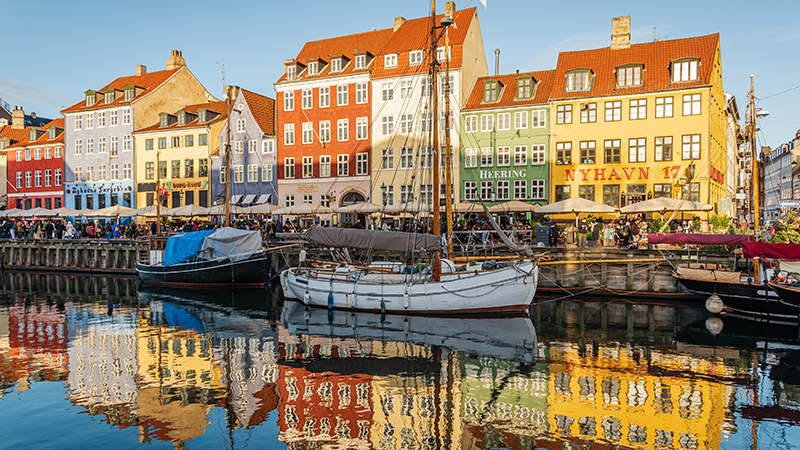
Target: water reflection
[{"x": 238, "y": 368}]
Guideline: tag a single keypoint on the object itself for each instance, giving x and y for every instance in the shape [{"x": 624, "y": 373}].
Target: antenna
[
  {"x": 223, "y": 75},
  {"x": 655, "y": 39}
]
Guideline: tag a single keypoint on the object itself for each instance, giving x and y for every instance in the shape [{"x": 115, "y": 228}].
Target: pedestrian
[{"x": 582, "y": 229}]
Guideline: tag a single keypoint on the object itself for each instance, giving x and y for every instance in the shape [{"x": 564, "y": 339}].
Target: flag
[{"x": 484, "y": 3}]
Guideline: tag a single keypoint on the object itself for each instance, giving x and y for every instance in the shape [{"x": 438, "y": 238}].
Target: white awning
[
  {"x": 264, "y": 198},
  {"x": 248, "y": 199},
  {"x": 235, "y": 199}
]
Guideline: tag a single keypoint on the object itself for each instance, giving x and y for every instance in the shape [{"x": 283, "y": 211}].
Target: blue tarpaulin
[
  {"x": 183, "y": 246},
  {"x": 178, "y": 316}
]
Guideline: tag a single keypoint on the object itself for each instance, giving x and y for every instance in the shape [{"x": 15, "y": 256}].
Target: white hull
[{"x": 505, "y": 290}]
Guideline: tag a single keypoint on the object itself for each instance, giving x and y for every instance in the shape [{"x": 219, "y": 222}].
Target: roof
[
  {"x": 655, "y": 56},
  {"x": 263, "y": 110},
  {"x": 44, "y": 139},
  {"x": 15, "y": 134},
  {"x": 508, "y": 94},
  {"x": 145, "y": 81},
  {"x": 221, "y": 107}
]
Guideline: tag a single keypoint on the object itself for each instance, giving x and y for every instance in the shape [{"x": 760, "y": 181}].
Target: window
[
  {"x": 503, "y": 156},
  {"x": 343, "y": 165},
  {"x": 238, "y": 174},
  {"x": 588, "y": 112},
  {"x": 487, "y": 157},
  {"x": 79, "y": 121},
  {"x": 470, "y": 190},
  {"x": 471, "y": 157},
  {"x": 58, "y": 177},
  {"x": 202, "y": 139},
  {"x": 202, "y": 167},
  {"x": 406, "y": 158},
  {"x": 520, "y": 189},
  {"x": 361, "y": 61},
  {"x": 176, "y": 169},
  {"x": 387, "y": 158},
  {"x": 48, "y": 177},
  {"x": 537, "y": 118},
  {"x": 38, "y": 178},
  {"x": 504, "y": 121},
  {"x": 308, "y": 166},
  {"x": 19, "y": 178},
  {"x": 252, "y": 173},
  {"x": 613, "y": 111},
  {"x": 663, "y": 107},
  {"x": 56, "y": 152},
  {"x": 520, "y": 120},
  {"x": 113, "y": 118},
  {"x": 502, "y": 190},
  {"x": 563, "y": 114},
  {"x": 312, "y": 68},
  {"x": 325, "y": 131},
  {"x": 415, "y": 57},
  {"x": 425, "y": 87},
  {"x": 390, "y": 61},
  {"x": 341, "y": 95},
  {"x": 406, "y": 89},
  {"x": 28, "y": 179},
  {"x": 266, "y": 172},
  {"x": 201, "y": 115},
  {"x": 487, "y": 122},
  {"x": 291, "y": 72},
  {"x": 471, "y": 124},
  {"x": 663, "y": 146},
  {"x": 101, "y": 144},
  {"x": 149, "y": 172},
  {"x": 114, "y": 148},
  {"x": 691, "y": 192},
  {"x": 361, "y": 93},
  {"x": 162, "y": 169},
  {"x": 579, "y": 80},
  {"x": 162, "y": 143},
  {"x": 361, "y": 163},
  {"x": 188, "y": 140},
  {"x": 288, "y": 101},
  {"x": 691, "y": 146},
  {"x": 537, "y": 154},
  {"x": 324, "y": 97},
  {"x": 629, "y": 76},
  {"x": 89, "y": 121},
  {"x": 267, "y": 146},
  {"x": 47, "y": 153},
  {"x": 490, "y": 91},
  {"x": 637, "y": 150},
  {"x": 611, "y": 195},
  {"x": 387, "y": 195},
  {"x": 524, "y": 88},
  {"x": 342, "y": 130},
  {"x": 101, "y": 119},
  {"x": 425, "y": 157},
  {"x": 325, "y": 166},
  {"x": 90, "y": 146},
  {"x": 586, "y": 192},
  {"x": 188, "y": 168},
  {"x": 537, "y": 189},
  {"x": 440, "y": 54},
  {"x": 19, "y": 155},
  {"x": 308, "y": 101},
  {"x": 238, "y": 147},
  {"x": 520, "y": 155},
  {"x": 126, "y": 116},
  {"x": 37, "y": 153},
  {"x": 89, "y": 174},
  {"x": 308, "y": 198},
  {"x": 406, "y": 123},
  {"x": 487, "y": 190},
  {"x": 79, "y": 174},
  {"x": 611, "y": 153},
  {"x": 361, "y": 128},
  {"x": 691, "y": 104},
  {"x": 387, "y": 125},
  {"x": 406, "y": 193},
  {"x": 425, "y": 124},
  {"x": 564, "y": 153},
  {"x": 685, "y": 70},
  {"x": 288, "y": 134},
  {"x": 223, "y": 174},
  {"x": 288, "y": 200},
  {"x": 336, "y": 65},
  {"x": 127, "y": 171},
  {"x": 101, "y": 172},
  {"x": 662, "y": 190},
  {"x": 387, "y": 92},
  {"x": 587, "y": 152},
  {"x": 638, "y": 109},
  {"x": 288, "y": 167},
  {"x": 308, "y": 133}
]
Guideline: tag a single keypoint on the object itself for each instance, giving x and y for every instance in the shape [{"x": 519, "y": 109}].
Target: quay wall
[{"x": 79, "y": 255}]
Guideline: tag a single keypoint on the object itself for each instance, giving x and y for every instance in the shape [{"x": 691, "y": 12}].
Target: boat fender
[
  {"x": 306, "y": 298},
  {"x": 406, "y": 327},
  {"x": 307, "y": 315},
  {"x": 714, "y": 304},
  {"x": 330, "y": 300},
  {"x": 406, "y": 300},
  {"x": 302, "y": 255},
  {"x": 383, "y": 310}
]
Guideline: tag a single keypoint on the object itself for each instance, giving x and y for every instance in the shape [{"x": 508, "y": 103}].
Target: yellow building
[
  {"x": 638, "y": 121},
  {"x": 180, "y": 145}
]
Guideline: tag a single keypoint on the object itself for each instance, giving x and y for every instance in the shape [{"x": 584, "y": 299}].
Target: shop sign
[{"x": 520, "y": 173}]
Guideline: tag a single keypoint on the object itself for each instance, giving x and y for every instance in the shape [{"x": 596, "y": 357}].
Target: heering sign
[{"x": 521, "y": 173}]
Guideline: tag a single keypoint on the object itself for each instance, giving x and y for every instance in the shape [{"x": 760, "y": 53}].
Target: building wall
[
  {"x": 180, "y": 89},
  {"x": 46, "y": 196}
]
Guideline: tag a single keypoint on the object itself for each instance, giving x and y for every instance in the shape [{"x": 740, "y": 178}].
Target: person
[
  {"x": 582, "y": 229},
  {"x": 272, "y": 232},
  {"x": 595, "y": 228},
  {"x": 69, "y": 231},
  {"x": 623, "y": 235},
  {"x": 115, "y": 229},
  {"x": 153, "y": 228},
  {"x": 48, "y": 230}
]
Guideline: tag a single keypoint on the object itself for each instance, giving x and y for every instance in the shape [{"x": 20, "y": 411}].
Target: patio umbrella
[
  {"x": 33, "y": 212},
  {"x": 65, "y": 212},
  {"x": 408, "y": 207},
  {"x": 263, "y": 208},
  {"x": 359, "y": 208},
  {"x": 575, "y": 205},
  {"x": 145, "y": 211},
  {"x": 512, "y": 206},
  {"x": 468, "y": 207},
  {"x": 111, "y": 211},
  {"x": 219, "y": 210},
  {"x": 189, "y": 211},
  {"x": 664, "y": 204}
]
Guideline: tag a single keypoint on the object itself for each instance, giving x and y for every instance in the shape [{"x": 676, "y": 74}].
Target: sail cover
[
  {"x": 385, "y": 241},
  {"x": 182, "y": 246},
  {"x": 789, "y": 252},
  {"x": 231, "y": 243},
  {"x": 698, "y": 239}
]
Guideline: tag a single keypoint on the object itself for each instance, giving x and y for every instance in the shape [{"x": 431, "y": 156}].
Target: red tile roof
[
  {"x": 14, "y": 134},
  {"x": 146, "y": 81},
  {"x": 508, "y": 94},
  {"x": 221, "y": 107},
  {"x": 656, "y": 57},
  {"x": 44, "y": 138},
  {"x": 263, "y": 110}
]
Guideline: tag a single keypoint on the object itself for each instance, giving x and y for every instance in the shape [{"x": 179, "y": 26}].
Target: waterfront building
[
  {"x": 252, "y": 150},
  {"x": 734, "y": 138},
  {"x": 35, "y": 165},
  {"x": 637, "y": 121},
  {"x": 179, "y": 145},
  {"x": 778, "y": 179},
  {"x": 12, "y": 130},
  {"x": 98, "y": 155},
  {"x": 36, "y": 345},
  {"x": 402, "y": 152},
  {"x": 323, "y": 121},
  {"x": 505, "y": 137}
]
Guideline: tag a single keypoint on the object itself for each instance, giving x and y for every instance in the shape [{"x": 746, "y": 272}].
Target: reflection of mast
[{"x": 231, "y": 414}]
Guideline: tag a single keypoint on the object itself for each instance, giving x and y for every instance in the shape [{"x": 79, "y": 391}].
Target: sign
[
  {"x": 641, "y": 173},
  {"x": 789, "y": 203},
  {"x": 171, "y": 185},
  {"x": 521, "y": 173}
]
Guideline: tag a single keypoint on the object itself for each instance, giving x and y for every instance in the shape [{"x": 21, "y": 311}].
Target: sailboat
[{"x": 435, "y": 286}]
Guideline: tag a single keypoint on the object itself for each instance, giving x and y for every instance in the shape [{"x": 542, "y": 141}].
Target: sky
[{"x": 53, "y": 51}]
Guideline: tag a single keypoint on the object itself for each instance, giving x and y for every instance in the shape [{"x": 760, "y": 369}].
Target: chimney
[
  {"x": 176, "y": 61},
  {"x": 141, "y": 70},
  {"x": 398, "y": 21},
  {"x": 449, "y": 8},
  {"x": 231, "y": 92},
  {"x": 620, "y": 32},
  {"x": 17, "y": 118},
  {"x": 496, "y": 61},
  {"x": 33, "y": 115}
]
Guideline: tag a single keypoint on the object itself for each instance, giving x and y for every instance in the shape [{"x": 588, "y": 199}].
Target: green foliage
[
  {"x": 656, "y": 224},
  {"x": 720, "y": 222},
  {"x": 696, "y": 223}
]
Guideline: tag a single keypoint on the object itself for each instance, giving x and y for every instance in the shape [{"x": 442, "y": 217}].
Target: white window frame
[
  {"x": 308, "y": 133},
  {"x": 342, "y": 95},
  {"x": 504, "y": 156},
  {"x": 471, "y": 157},
  {"x": 520, "y": 120},
  {"x": 325, "y": 166},
  {"x": 362, "y": 163},
  {"x": 390, "y": 61},
  {"x": 324, "y": 96},
  {"x": 503, "y": 121},
  {"x": 288, "y": 101},
  {"x": 487, "y": 122},
  {"x": 520, "y": 155},
  {"x": 487, "y": 157},
  {"x": 325, "y": 131},
  {"x": 288, "y": 134},
  {"x": 362, "y": 93},
  {"x": 343, "y": 130}
]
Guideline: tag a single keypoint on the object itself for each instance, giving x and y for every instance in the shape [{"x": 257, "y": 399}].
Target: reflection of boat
[
  {"x": 253, "y": 302},
  {"x": 509, "y": 338},
  {"x": 210, "y": 258}
]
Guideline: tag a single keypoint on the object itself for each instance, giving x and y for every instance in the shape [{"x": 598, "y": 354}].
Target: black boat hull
[
  {"x": 752, "y": 299},
  {"x": 788, "y": 294},
  {"x": 253, "y": 271}
]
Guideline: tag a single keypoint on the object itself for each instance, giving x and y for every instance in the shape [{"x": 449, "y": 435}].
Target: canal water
[{"x": 101, "y": 362}]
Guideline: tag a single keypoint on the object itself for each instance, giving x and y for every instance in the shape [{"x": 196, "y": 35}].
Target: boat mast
[
  {"x": 448, "y": 163},
  {"x": 754, "y": 163},
  {"x": 435, "y": 138},
  {"x": 227, "y": 148},
  {"x": 158, "y": 193}
]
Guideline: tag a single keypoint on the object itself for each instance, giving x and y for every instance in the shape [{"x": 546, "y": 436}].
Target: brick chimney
[
  {"x": 398, "y": 21},
  {"x": 449, "y": 8},
  {"x": 231, "y": 92},
  {"x": 18, "y": 118},
  {"x": 620, "y": 32},
  {"x": 176, "y": 61},
  {"x": 141, "y": 69}
]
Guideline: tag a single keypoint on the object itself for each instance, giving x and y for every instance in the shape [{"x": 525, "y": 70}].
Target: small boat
[
  {"x": 223, "y": 257},
  {"x": 787, "y": 283}
]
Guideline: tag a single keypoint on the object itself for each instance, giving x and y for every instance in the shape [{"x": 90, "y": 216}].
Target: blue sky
[{"x": 55, "y": 50}]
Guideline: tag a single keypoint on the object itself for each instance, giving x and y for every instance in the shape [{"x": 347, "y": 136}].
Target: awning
[
  {"x": 264, "y": 198},
  {"x": 789, "y": 252},
  {"x": 699, "y": 239},
  {"x": 249, "y": 199},
  {"x": 235, "y": 199}
]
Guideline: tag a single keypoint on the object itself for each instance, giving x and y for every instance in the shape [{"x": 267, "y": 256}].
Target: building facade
[
  {"x": 735, "y": 189},
  {"x": 12, "y": 130},
  {"x": 637, "y": 121},
  {"x": 35, "y": 166},
  {"x": 179, "y": 146},
  {"x": 252, "y": 150},
  {"x": 778, "y": 181},
  {"x": 98, "y": 156},
  {"x": 505, "y": 139}
]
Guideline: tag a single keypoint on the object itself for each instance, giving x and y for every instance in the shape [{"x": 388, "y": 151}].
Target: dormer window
[
  {"x": 32, "y": 136},
  {"x": 361, "y": 61},
  {"x": 164, "y": 120},
  {"x": 390, "y": 61},
  {"x": 181, "y": 118},
  {"x": 440, "y": 53},
  {"x": 312, "y": 68},
  {"x": 579, "y": 80},
  {"x": 490, "y": 89},
  {"x": 51, "y": 133},
  {"x": 524, "y": 88},
  {"x": 129, "y": 93},
  {"x": 336, "y": 65},
  {"x": 685, "y": 70},
  {"x": 630, "y": 75},
  {"x": 201, "y": 115},
  {"x": 415, "y": 57},
  {"x": 291, "y": 73},
  {"x": 90, "y": 97},
  {"x": 109, "y": 97}
]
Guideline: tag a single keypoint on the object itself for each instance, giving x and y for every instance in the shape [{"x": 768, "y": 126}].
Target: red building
[
  {"x": 37, "y": 336},
  {"x": 35, "y": 166}
]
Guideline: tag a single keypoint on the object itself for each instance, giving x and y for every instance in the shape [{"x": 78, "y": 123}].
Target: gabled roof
[
  {"x": 145, "y": 81},
  {"x": 44, "y": 139},
  {"x": 655, "y": 56},
  {"x": 263, "y": 110},
  {"x": 15, "y": 134},
  {"x": 508, "y": 95},
  {"x": 220, "y": 107}
]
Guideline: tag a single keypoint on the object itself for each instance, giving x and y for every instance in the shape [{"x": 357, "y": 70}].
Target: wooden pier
[{"x": 117, "y": 256}]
